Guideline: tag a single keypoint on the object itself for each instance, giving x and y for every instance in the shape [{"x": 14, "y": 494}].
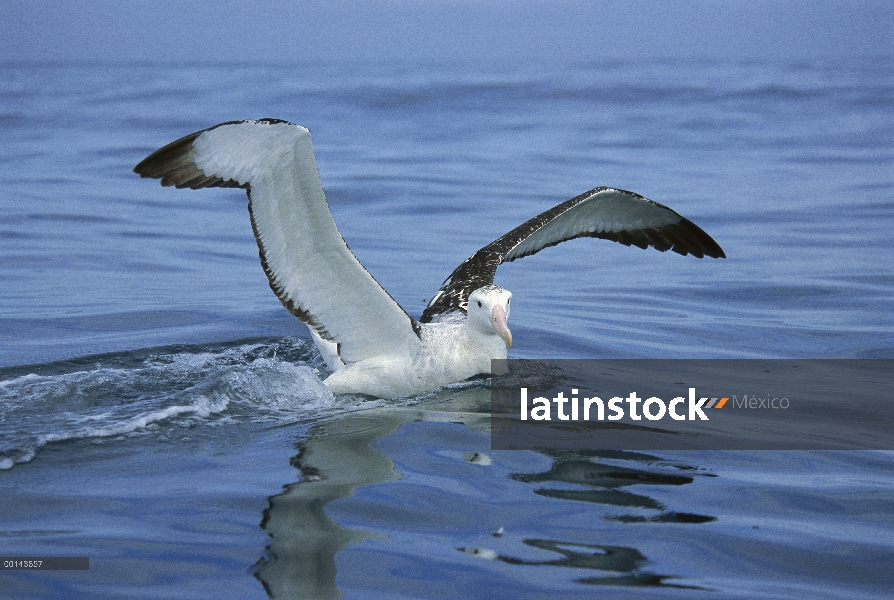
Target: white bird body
[
  {"x": 450, "y": 352},
  {"x": 370, "y": 344}
]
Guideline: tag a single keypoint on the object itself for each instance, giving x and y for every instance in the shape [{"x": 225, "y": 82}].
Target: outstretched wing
[
  {"x": 310, "y": 268},
  {"x": 602, "y": 212}
]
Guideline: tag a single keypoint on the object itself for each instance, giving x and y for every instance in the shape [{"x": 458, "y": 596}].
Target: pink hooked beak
[{"x": 498, "y": 322}]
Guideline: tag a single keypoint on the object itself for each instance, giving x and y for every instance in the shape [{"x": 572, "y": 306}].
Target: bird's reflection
[
  {"x": 606, "y": 482},
  {"x": 337, "y": 457},
  {"x": 620, "y": 562}
]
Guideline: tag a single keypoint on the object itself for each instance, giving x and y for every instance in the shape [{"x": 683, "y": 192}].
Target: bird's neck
[{"x": 485, "y": 343}]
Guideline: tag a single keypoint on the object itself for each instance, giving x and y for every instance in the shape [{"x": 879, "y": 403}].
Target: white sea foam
[
  {"x": 202, "y": 408},
  {"x": 121, "y": 395}
]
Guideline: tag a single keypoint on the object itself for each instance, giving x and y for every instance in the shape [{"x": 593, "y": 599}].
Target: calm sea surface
[{"x": 161, "y": 413}]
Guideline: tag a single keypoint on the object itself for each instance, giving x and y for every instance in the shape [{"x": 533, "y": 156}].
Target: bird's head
[{"x": 488, "y": 311}]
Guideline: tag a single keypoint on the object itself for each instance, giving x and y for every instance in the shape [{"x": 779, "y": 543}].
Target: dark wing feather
[{"x": 603, "y": 212}]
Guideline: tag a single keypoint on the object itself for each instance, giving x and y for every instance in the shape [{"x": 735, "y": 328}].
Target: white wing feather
[{"x": 310, "y": 267}]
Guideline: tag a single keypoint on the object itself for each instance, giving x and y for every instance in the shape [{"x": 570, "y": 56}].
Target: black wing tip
[
  {"x": 683, "y": 239},
  {"x": 168, "y": 158},
  {"x": 695, "y": 241}
]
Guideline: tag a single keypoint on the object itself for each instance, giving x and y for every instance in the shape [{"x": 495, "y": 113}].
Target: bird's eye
[
  {"x": 508, "y": 301},
  {"x": 479, "y": 304}
]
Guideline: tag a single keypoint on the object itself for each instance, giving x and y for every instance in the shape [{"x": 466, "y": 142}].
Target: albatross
[{"x": 370, "y": 344}]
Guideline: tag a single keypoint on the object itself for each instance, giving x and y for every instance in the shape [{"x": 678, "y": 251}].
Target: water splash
[{"x": 162, "y": 390}]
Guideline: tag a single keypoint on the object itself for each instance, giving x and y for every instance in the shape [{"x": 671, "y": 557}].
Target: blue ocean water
[{"x": 155, "y": 397}]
